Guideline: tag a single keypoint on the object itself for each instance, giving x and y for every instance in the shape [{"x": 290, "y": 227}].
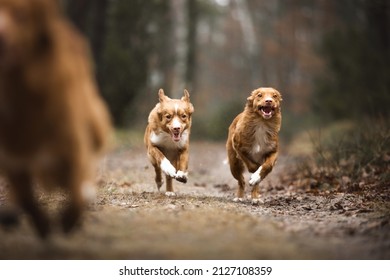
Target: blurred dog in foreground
[
  {"x": 253, "y": 139},
  {"x": 167, "y": 139},
  {"x": 53, "y": 124}
]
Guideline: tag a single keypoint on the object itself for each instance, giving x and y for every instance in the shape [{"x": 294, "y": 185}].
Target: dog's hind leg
[
  {"x": 255, "y": 195},
  {"x": 22, "y": 190},
  {"x": 158, "y": 179},
  {"x": 169, "y": 186},
  {"x": 72, "y": 212},
  {"x": 237, "y": 169},
  {"x": 73, "y": 178}
]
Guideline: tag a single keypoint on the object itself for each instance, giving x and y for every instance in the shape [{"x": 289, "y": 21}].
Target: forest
[{"x": 329, "y": 59}]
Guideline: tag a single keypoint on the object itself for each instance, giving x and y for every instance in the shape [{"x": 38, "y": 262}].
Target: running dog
[
  {"x": 253, "y": 140},
  {"x": 53, "y": 123},
  {"x": 167, "y": 139}
]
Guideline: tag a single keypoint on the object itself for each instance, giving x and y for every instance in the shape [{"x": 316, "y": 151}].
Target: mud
[{"x": 130, "y": 219}]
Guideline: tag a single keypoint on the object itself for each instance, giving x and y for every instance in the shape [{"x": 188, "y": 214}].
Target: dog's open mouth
[
  {"x": 267, "y": 111},
  {"x": 176, "y": 136}
]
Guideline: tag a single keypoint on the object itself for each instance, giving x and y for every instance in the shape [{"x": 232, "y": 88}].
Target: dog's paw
[
  {"x": 170, "y": 194},
  {"x": 255, "y": 179},
  {"x": 257, "y": 201},
  {"x": 181, "y": 176},
  {"x": 9, "y": 217},
  {"x": 168, "y": 168},
  {"x": 238, "y": 199}
]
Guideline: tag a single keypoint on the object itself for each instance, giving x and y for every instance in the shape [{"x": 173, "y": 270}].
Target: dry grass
[{"x": 346, "y": 157}]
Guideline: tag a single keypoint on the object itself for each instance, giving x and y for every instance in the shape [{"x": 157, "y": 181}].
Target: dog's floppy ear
[
  {"x": 250, "y": 99},
  {"x": 279, "y": 95},
  {"x": 159, "y": 111},
  {"x": 161, "y": 95}
]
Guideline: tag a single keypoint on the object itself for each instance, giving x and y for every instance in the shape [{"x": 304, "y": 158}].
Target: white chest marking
[
  {"x": 259, "y": 143},
  {"x": 260, "y": 139},
  {"x": 164, "y": 140}
]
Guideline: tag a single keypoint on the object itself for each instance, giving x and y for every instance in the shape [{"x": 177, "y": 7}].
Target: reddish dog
[
  {"x": 253, "y": 139},
  {"x": 53, "y": 124},
  {"x": 167, "y": 138}
]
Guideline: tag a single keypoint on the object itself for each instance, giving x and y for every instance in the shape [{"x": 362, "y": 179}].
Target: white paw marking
[
  {"x": 88, "y": 191},
  {"x": 257, "y": 201},
  {"x": 238, "y": 199},
  {"x": 181, "y": 176},
  {"x": 255, "y": 178},
  {"x": 170, "y": 194},
  {"x": 168, "y": 168}
]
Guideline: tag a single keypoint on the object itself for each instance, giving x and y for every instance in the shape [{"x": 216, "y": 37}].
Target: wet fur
[
  {"x": 253, "y": 141},
  {"x": 53, "y": 124}
]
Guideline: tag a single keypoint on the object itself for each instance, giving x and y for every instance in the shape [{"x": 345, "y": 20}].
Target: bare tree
[{"x": 180, "y": 46}]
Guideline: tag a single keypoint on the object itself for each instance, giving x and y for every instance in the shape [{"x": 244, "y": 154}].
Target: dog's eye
[
  {"x": 168, "y": 117},
  {"x": 275, "y": 96},
  {"x": 184, "y": 116},
  {"x": 259, "y": 95}
]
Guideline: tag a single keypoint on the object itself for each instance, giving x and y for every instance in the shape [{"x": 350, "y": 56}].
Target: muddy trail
[{"x": 130, "y": 219}]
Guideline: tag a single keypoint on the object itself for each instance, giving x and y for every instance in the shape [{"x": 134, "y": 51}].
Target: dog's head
[
  {"x": 175, "y": 114},
  {"x": 265, "y": 101},
  {"x": 24, "y": 28}
]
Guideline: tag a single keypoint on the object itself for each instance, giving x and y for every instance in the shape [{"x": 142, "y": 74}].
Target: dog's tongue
[
  {"x": 176, "y": 136},
  {"x": 267, "y": 110}
]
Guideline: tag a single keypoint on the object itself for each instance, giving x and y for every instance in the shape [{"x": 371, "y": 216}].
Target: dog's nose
[
  {"x": 176, "y": 125},
  {"x": 268, "y": 101}
]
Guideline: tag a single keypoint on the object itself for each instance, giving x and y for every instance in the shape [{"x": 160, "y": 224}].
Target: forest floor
[{"x": 132, "y": 220}]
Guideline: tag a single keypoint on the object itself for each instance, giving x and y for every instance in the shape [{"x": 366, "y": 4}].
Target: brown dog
[
  {"x": 53, "y": 124},
  {"x": 167, "y": 139},
  {"x": 253, "y": 139}
]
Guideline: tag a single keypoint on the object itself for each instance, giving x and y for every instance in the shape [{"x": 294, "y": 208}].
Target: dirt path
[{"x": 131, "y": 220}]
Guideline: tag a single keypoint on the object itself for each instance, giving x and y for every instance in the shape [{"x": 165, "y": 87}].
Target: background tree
[
  {"x": 329, "y": 58},
  {"x": 356, "y": 80}
]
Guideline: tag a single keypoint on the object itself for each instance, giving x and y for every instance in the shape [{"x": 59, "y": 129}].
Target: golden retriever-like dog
[
  {"x": 53, "y": 124},
  {"x": 167, "y": 139},
  {"x": 253, "y": 140}
]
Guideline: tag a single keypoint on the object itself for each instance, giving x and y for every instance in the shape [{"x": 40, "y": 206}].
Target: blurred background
[{"x": 330, "y": 59}]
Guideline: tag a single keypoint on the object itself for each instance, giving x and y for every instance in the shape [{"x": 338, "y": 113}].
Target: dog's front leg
[
  {"x": 158, "y": 160},
  {"x": 250, "y": 164},
  {"x": 22, "y": 190},
  {"x": 182, "y": 166},
  {"x": 260, "y": 174},
  {"x": 264, "y": 169}
]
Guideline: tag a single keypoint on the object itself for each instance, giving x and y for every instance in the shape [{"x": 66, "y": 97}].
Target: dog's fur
[
  {"x": 53, "y": 124},
  {"x": 167, "y": 139},
  {"x": 253, "y": 139}
]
